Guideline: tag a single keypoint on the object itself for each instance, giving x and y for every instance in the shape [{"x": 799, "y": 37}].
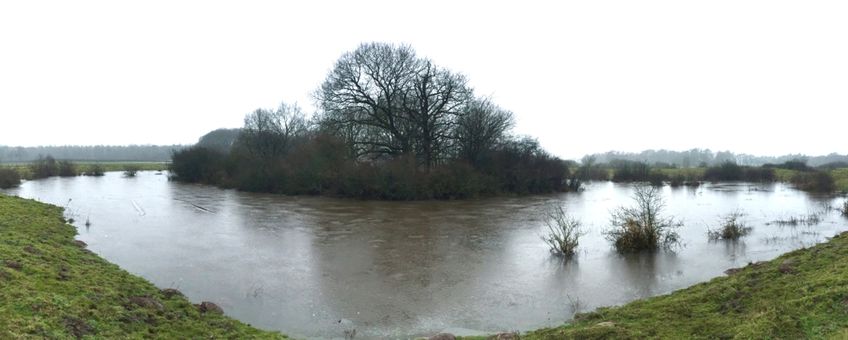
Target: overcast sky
[{"x": 763, "y": 77}]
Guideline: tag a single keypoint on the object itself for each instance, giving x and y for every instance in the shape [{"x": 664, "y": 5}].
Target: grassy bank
[
  {"x": 800, "y": 295},
  {"x": 52, "y": 287}
]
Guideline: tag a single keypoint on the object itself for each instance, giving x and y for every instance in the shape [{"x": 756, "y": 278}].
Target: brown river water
[{"x": 315, "y": 267}]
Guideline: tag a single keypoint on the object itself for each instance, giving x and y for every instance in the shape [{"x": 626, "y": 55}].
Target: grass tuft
[{"x": 732, "y": 227}]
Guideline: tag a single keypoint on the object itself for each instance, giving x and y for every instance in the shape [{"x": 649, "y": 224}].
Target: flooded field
[{"x": 318, "y": 267}]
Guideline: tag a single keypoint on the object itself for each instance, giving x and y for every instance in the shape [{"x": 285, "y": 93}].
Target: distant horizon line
[{"x": 632, "y": 153}]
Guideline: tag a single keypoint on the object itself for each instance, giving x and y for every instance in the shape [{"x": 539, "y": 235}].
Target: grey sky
[{"x": 763, "y": 77}]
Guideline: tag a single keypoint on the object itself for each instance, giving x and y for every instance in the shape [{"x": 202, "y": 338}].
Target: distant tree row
[
  {"x": 136, "y": 153},
  {"x": 801, "y": 175},
  {"x": 706, "y": 157},
  {"x": 390, "y": 125}
]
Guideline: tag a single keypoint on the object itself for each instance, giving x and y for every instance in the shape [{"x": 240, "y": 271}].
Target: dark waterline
[{"x": 315, "y": 267}]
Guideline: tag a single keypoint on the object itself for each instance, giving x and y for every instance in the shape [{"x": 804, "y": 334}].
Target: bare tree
[
  {"x": 436, "y": 100},
  {"x": 269, "y": 134},
  {"x": 386, "y": 102},
  {"x": 365, "y": 89},
  {"x": 480, "y": 128}
]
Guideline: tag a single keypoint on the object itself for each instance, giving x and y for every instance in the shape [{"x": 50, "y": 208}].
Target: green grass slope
[{"x": 52, "y": 287}]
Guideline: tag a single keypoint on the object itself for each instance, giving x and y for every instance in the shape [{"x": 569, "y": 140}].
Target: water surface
[{"x": 316, "y": 266}]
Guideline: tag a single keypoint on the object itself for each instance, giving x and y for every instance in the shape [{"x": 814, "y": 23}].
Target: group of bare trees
[
  {"x": 270, "y": 134},
  {"x": 385, "y": 101},
  {"x": 389, "y": 125}
]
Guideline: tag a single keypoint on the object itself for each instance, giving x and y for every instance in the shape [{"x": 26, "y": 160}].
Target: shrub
[
  {"x": 752, "y": 174},
  {"x": 795, "y": 164},
  {"x": 9, "y": 178},
  {"x": 94, "y": 170},
  {"x": 196, "y": 164},
  {"x": 629, "y": 171},
  {"x": 563, "y": 232},
  {"x": 643, "y": 227},
  {"x": 522, "y": 167},
  {"x": 729, "y": 171},
  {"x": 455, "y": 180},
  {"x": 44, "y": 167},
  {"x": 589, "y": 171},
  {"x": 677, "y": 180},
  {"x": 574, "y": 184},
  {"x": 817, "y": 181},
  {"x": 67, "y": 169},
  {"x": 130, "y": 170},
  {"x": 684, "y": 178},
  {"x": 732, "y": 228}
]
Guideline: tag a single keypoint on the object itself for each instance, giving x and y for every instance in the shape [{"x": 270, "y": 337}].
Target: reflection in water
[
  {"x": 316, "y": 267},
  {"x": 733, "y": 248}
]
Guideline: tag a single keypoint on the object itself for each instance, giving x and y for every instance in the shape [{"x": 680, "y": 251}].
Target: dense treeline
[
  {"x": 134, "y": 153},
  {"x": 706, "y": 157},
  {"x": 391, "y": 125}
]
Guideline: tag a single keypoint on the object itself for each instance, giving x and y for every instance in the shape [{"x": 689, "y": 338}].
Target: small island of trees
[{"x": 390, "y": 125}]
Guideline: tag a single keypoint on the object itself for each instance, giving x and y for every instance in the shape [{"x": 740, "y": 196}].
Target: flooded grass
[
  {"x": 52, "y": 287},
  {"x": 732, "y": 227},
  {"x": 801, "y": 220}
]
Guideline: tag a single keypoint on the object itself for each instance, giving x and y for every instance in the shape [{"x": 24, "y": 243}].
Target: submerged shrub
[
  {"x": 44, "y": 167},
  {"x": 574, "y": 184},
  {"x": 729, "y": 171},
  {"x": 67, "y": 169},
  {"x": 732, "y": 227},
  {"x": 677, "y": 180},
  {"x": 9, "y": 178},
  {"x": 795, "y": 164},
  {"x": 94, "y": 170},
  {"x": 130, "y": 170},
  {"x": 563, "y": 232},
  {"x": 643, "y": 227},
  {"x": 630, "y": 171}
]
